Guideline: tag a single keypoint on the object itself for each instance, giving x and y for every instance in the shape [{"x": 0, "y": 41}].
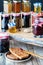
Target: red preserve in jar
[
  {"x": 38, "y": 29},
  {"x": 4, "y": 42}
]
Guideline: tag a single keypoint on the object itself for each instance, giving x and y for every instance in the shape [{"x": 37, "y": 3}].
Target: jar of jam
[
  {"x": 7, "y": 6},
  {"x": 26, "y": 20},
  {"x": 4, "y": 23},
  {"x": 38, "y": 27},
  {"x": 17, "y": 19},
  {"x": 4, "y": 42},
  {"x": 26, "y": 6},
  {"x": 16, "y": 6}
]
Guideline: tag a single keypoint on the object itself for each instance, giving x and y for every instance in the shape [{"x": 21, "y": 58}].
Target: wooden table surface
[{"x": 34, "y": 49}]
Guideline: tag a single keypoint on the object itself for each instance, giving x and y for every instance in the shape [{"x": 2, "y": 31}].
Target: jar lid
[
  {"x": 15, "y": 14},
  {"x": 5, "y": 15},
  {"x": 4, "y": 35},
  {"x": 25, "y": 1},
  {"x": 6, "y": 2},
  {"x": 26, "y": 13},
  {"x": 16, "y": 1},
  {"x": 37, "y": 4}
]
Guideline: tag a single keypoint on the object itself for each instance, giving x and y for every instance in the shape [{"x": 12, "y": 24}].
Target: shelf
[{"x": 27, "y": 38}]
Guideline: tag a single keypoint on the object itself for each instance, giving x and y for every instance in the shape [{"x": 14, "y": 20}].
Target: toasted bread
[
  {"x": 11, "y": 56},
  {"x": 18, "y": 52}
]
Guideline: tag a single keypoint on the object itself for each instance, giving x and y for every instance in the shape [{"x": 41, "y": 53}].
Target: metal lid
[
  {"x": 25, "y": 1},
  {"x": 37, "y": 4},
  {"x": 6, "y": 2},
  {"x": 16, "y": 1}
]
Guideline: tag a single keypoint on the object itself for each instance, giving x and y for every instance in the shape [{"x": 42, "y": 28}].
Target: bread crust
[{"x": 11, "y": 56}]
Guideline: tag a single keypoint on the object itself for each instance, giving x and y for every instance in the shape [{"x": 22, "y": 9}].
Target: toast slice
[
  {"x": 11, "y": 56},
  {"x": 18, "y": 52}
]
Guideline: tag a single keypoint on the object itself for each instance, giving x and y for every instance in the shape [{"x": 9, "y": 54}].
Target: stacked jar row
[{"x": 17, "y": 6}]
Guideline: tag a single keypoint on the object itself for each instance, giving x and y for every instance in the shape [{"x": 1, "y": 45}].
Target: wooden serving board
[{"x": 27, "y": 38}]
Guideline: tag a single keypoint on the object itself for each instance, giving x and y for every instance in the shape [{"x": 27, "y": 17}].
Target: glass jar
[
  {"x": 4, "y": 42},
  {"x": 4, "y": 23},
  {"x": 16, "y": 6},
  {"x": 11, "y": 25},
  {"x": 37, "y": 7},
  {"x": 26, "y": 6},
  {"x": 17, "y": 19},
  {"x": 7, "y": 6},
  {"x": 26, "y": 20},
  {"x": 38, "y": 27}
]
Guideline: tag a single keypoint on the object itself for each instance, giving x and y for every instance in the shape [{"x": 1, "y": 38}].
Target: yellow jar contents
[
  {"x": 9, "y": 7},
  {"x": 12, "y": 25},
  {"x": 26, "y": 6},
  {"x": 13, "y": 29},
  {"x": 37, "y": 7}
]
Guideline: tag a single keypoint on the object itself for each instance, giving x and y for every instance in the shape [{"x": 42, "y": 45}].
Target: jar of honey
[
  {"x": 17, "y": 18},
  {"x": 7, "y": 6},
  {"x": 26, "y": 6},
  {"x": 12, "y": 25},
  {"x": 37, "y": 7},
  {"x": 16, "y": 6}
]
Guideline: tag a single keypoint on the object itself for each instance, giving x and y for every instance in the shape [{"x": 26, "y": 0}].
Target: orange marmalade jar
[{"x": 16, "y": 6}]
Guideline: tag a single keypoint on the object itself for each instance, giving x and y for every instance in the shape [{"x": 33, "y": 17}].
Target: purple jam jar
[
  {"x": 4, "y": 42},
  {"x": 38, "y": 28}
]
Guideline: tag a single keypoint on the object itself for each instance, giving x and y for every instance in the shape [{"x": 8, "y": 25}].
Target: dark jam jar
[
  {"x": 4, "y": 42},
  {"x": 38, "y": 29},
  {"x": 26, "y": 20},
  {"x": 4, "y": 23}
]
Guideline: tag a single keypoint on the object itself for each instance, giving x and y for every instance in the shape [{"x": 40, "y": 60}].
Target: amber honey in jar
[
  {"x": 16, "y": 6},
  {"x": 7, "y": 6},
  {"x": 26, "y": 6},
  {"x": 17, "y": 19},
  {"x": 37, "y": 7},
  {"x": 12, "y": 25}
]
